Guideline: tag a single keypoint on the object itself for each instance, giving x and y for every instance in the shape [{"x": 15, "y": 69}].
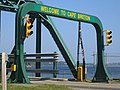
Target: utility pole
[
  {"x": 78, "y": 46},
  {"x": 80, "y": 42}
]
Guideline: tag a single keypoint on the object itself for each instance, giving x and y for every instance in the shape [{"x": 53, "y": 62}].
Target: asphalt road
[{"x": 75, "y": 85}]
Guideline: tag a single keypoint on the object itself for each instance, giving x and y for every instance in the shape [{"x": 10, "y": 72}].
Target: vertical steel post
[
  {"x": 78, "y": 46},
  {"x": 101, "y": 74},
  {"x": 83, "y": 56},
  {"x": 38, "y": 43},
  {"x": 4, "y": 81},
  {"x": 55, "y": 66}
]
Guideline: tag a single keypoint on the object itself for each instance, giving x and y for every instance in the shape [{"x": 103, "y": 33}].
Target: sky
[{"x": 106, "y": 10}]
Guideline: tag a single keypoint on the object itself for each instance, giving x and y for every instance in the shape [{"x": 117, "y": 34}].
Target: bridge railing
[{"x": 51, "y": 58}]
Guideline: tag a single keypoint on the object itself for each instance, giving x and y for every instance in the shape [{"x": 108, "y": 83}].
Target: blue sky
[{"x": 106, "y": 10}]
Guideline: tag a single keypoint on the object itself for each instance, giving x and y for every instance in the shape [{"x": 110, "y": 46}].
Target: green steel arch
[{"x": 20, "y": 75}]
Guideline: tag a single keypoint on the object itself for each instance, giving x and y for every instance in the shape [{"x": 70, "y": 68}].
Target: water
[
  {"x": 114, "y": 72},
  {"x": 64, "y": 72}
]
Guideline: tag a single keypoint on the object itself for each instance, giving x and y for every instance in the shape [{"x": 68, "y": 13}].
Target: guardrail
[{"x": 38, "y": 57}]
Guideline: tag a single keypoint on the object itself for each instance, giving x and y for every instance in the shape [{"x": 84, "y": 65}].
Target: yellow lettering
[
  {"x": 50, "y": 10},
  {"x": 63, "y": 12},
  {"x": 69, "y": 14},
  {"x": 44, "y": 9},
  {"x": 84, "y": 17},
  {"x": 72, "y": 14}
]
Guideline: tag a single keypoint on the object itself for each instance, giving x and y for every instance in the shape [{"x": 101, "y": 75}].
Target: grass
[{"x": 41, "y": 87}]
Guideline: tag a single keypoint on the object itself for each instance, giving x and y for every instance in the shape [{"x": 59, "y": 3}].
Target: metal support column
[
  {"x": 78, "y": 46},
  {"x": 55, "y": 67},
  {"x": 38, "y": 43},
  {"x": 83, "y": 56},
  {"x": 20, "y": 75}
]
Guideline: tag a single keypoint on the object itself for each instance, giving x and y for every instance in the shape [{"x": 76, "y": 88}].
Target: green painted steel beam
[
  {"x": 38, "y": 43},
  {"x": 60, "y": 43},
  {"x": 101, "y": 73},
  {"x": 13, "y": 5}
]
